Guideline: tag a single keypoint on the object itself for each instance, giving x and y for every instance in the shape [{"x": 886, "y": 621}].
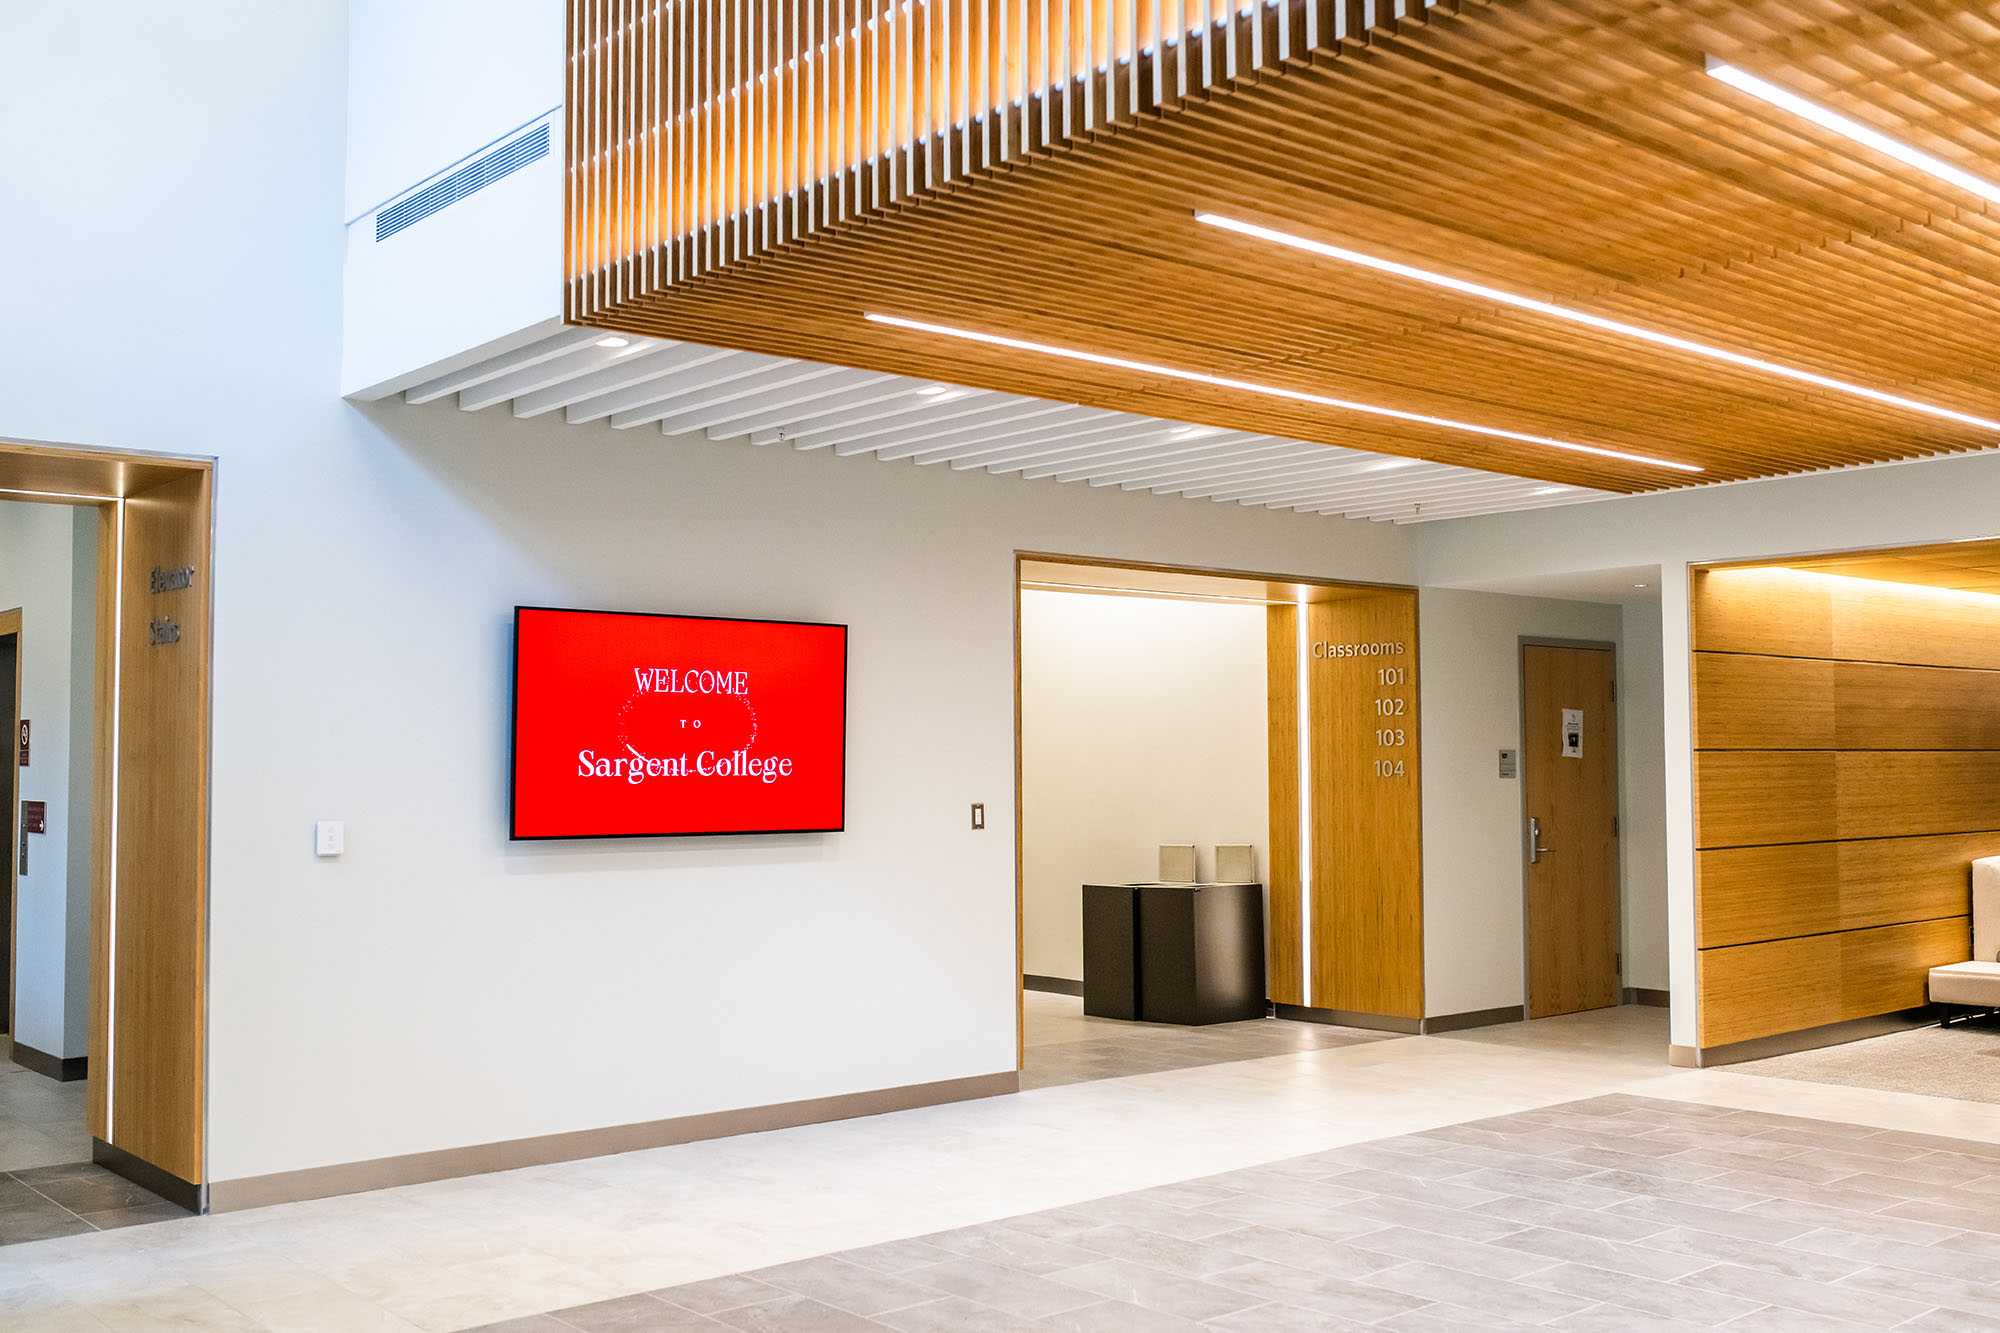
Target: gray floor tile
[
  {"x": 1152, "y": 1289},
  {"x": 98, "y": 1193},
  {"x": 833, "y": 1281},
  {"x": 1196, "y": 1258},
  {"x": 1551, "y": 1218},
  {"x": 534, "y": 1323},
  {"x": 157, "y": 1211},
  {"x": 1012, "y": 1248},
  {"x": 1497, "y": 1260},
  {"x": 1807, "y": 1297},
  {"x": 1608, "y": 1224},
  {"x": 1624, "y": 1319},
  {"x": 1316, "y": 1254},
  {"x": 1270, "y": 1318},
  {"x": 953, "y": 1314},
  {"x": 795, "y": 1314},
  {"x": 1009, "y": 1289},
  {"x": 1781, "y": 1259},
  {"x": 1118, "y": 1317},
  {"x": 635, "y": 1314},
  {"x": 45, "y": 1222},
  {"x": 1285, "y": 1285},
  {"x": 1615, "y": 1256},
  {"x": 1661, "y": 1300},
  {"x": 1483, "y": 1295}
]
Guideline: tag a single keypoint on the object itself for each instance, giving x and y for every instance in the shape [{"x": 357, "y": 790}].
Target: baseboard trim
[
  {"x": 167, "y": 1185},
  {"x": 1348, "y": 1018},
  {"x": 63, "y": 1069},
  {"x": 1051, "y": 985},
  {"x": 227, "y": 1196},
  {"x": 1645, "y": 995},
  {"x": 1811, "y": 1039},
  {"x": 1475, "y": 1018}
]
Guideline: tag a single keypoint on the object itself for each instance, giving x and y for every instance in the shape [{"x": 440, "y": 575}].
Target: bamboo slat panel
[{"x": 764, "y": 173}]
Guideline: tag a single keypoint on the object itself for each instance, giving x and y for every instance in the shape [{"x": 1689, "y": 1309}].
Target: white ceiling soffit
[{"x": 686, "y": 389}]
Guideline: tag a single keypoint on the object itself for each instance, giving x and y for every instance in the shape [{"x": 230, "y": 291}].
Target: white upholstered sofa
[{"x": 1975, "y": 984}]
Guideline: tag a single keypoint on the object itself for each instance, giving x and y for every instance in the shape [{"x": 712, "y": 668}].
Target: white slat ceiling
[{"x": 686, "y": 389}]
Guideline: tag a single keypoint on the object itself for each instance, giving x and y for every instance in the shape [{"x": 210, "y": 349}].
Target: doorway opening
[
  {"x": 1181, "y": 732},
  {"x": 104, "y": 673}
]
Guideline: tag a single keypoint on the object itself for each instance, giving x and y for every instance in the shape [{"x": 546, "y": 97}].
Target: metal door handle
[{"x": 1535, "y": 849}]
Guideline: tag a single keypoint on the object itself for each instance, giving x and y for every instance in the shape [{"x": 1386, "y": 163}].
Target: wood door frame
[
  {"x": 1024, "y": 557},
  {"x": 1527, "y": 641},
  {"x": 109, "y": 481},
  {"x": 10, "y": 623}
]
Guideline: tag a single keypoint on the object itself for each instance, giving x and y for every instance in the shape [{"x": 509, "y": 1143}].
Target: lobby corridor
[{"x": 1556, "y": 1172}]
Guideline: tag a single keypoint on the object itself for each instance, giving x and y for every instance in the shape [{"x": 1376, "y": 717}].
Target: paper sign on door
[{"x": 1572, "y": 733}]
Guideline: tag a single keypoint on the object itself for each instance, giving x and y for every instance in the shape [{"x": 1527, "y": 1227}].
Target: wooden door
[{"x": 1570, "y": 762}]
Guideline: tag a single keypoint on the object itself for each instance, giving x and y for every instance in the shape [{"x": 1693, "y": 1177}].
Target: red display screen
[{"x": 631, "y": 725}]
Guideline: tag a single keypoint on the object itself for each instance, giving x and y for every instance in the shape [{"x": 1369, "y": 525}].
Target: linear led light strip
[
  {"x": 1273, "y": 391},
  {"x": 1598, "y": 322},
  {"x": 1827, "y": 118},
  {"x": 111, "y": 907},
  {"x": 1304, "y": 641}
]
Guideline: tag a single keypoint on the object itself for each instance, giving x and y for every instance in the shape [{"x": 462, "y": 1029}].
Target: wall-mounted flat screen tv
[{"x": 631, "y": 725}]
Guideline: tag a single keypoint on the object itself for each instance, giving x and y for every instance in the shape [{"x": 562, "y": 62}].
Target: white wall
[
  {"x": 47, "y": 564},
  {"x": 1142, "y": 722},
  {"x": 1471, "y": 698},
  {"x": 438, "y": 986},
  {"x": 429, "y": 84},
  {"x": 1642, "y": 786}
]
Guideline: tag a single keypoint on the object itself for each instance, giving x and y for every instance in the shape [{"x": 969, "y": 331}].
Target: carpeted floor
[{"x": 1961, "y": 1061}]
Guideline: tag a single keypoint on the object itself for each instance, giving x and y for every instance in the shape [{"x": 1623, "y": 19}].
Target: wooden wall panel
[
  {"x": 1767, "y": 893},
  {"x": 1284, "y": 977},
  {"x": 1759, "y": 990},
  {"x": 1796, "y": 613},
  {"x": 1744, "y": 797},
  {"x": 1367, "y": 872},
  {"x": 160, "y": 904},
  {"x": 1791, "y": 703},
  {"x": 1847, "y": 773}
]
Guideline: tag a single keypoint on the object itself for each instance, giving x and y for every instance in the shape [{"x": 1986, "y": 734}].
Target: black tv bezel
[{"x": 514, "y": 730}]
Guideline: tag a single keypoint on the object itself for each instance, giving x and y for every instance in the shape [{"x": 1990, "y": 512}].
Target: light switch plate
[{"x": 329, "y": 837}]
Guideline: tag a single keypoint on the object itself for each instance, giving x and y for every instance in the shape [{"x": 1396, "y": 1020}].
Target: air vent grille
[{"x": 476, "y": 175}]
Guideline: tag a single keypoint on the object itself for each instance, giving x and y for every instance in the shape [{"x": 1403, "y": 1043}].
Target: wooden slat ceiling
[
  {"x": 713, "y": 393},
  {"x": 1572, "y": 151}
]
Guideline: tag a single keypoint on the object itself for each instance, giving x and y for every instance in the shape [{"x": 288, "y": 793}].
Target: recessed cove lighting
[
  {"x": 1642, "y": 585},
  {"x": 1391, "y": 464},
  {"x": 1193, "y": 432},
  {"x": 1549, "y": 490},
  {"x": 614, "y": 341},
  {"x": 1849, "y": 128},
  {"x": 1271, "y": 391},
  {"x": 1598, "y": 322},
  {"x": 933, "y": 390}
]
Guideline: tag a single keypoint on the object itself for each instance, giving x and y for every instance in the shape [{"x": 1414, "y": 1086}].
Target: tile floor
[
  {"x": 1611, "y": 1212},
  {"x": 1065, "y": 1045},
  {"x": 43, "y": 1202},
  {"x": 460, "y": 1253},
  {"x": 41, "y": 1119}
]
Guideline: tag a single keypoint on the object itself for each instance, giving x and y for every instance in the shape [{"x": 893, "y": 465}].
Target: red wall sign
[{"x": 630, "y": 725}]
